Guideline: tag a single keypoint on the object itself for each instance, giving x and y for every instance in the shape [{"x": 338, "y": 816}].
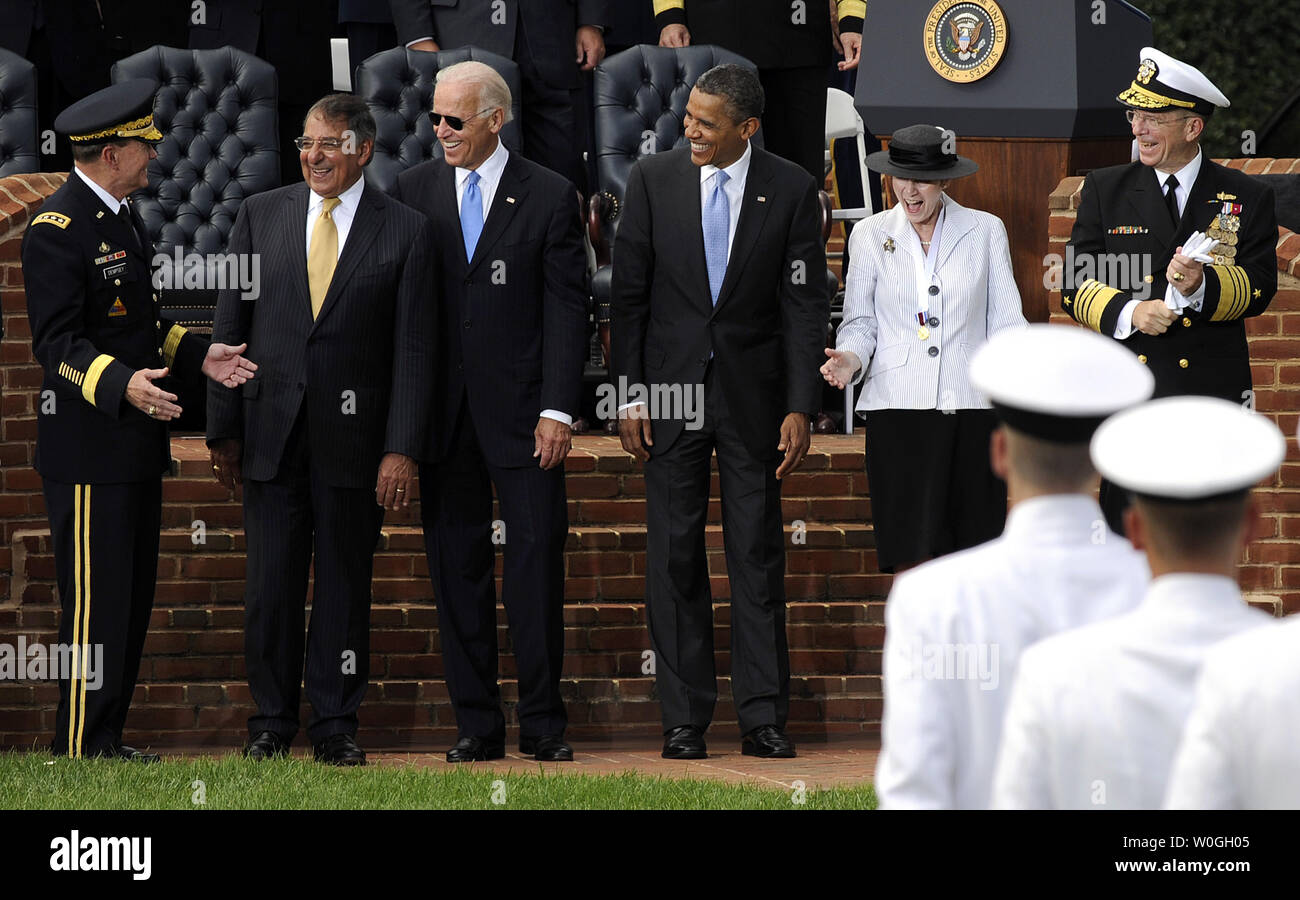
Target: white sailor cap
[
  {"x": 1188, "y": 448},
  {"x": 1058, "y": 382},
  {"x": 1163, "y": 82}
]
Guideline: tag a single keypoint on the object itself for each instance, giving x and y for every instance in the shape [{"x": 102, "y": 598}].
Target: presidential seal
[{"x": 965, "y": 39}]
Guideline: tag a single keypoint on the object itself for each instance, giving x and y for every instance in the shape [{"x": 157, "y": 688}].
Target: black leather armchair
[
  {"x": 217, "y": 112},
  {"x": 18, "y": 142},
  {"x": 397, "y": 84}
]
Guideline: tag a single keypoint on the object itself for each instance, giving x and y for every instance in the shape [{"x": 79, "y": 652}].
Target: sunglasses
[{"x": 455, "y": 123}]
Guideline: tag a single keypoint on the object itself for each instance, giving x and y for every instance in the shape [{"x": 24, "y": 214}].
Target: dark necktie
[
  {"x": 125, "y": 217},
  {"x": 1171, "y": 200}
]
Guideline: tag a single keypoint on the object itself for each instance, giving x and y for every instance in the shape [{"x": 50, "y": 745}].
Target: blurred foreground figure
[
  {"x": 955, "y": 627},
  {"x": 1097, "y": 713}
]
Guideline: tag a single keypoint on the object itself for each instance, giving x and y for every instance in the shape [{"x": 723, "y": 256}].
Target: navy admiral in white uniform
[
  {"x": 1096, "y": 714},
  {"x": 956, "y": 626}
]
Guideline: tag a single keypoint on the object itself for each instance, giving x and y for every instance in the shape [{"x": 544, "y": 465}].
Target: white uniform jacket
[
  {"x": 1097, "y": 713},
  {"x": 885, "y": 287},
  {"x": 1241, "y": 746},
  {"x": 955, "y": 629}
]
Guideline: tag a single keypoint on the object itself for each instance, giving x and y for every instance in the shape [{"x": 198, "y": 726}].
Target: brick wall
[{"x": 1272, "y": 563}]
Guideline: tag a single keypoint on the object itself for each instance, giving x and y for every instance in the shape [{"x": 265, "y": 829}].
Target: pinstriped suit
[
  {"x": 514, "y": 328},
  {"x": 978, "y": 298},
  {"x": 331, "y": 396}
]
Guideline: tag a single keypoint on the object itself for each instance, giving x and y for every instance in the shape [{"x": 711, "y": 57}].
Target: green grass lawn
[{"x": 39, "y": 781}]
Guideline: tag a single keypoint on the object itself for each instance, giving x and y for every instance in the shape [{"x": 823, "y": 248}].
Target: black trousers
[
  {"x": 106, "y": 558},
  {"x": 553, "y": 120},
  {"x": 285, "y": 519},
  {"x": 460, "y": 540},
  {"x": 794, "y": 116},
  {"x": 679, "y": 602}
]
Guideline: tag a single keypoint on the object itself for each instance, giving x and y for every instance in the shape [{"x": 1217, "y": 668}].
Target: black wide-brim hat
[{"x": 916, "y": 152}]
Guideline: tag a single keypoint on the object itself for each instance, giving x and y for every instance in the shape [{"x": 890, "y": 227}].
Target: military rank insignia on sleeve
[{"x": 52, "y": 218}]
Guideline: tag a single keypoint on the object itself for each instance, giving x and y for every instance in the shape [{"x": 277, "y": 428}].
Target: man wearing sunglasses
[
  {"x": 325, "y": 438},
  {"x": 508, "y": 283},
  {"x": 1128, "y": 272}
]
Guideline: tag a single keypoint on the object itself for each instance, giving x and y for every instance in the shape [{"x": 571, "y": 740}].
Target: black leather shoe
[
  {"x": 130, "y": 754},
  {"x": 266, "y": 745},
  {"x": 685, "y": 742},
  {"x": 340, "y": 750},
  {"x": 474, "y": 749},
  {"x": 768, "y": 742},
  {"x": 547, "y": 748}
]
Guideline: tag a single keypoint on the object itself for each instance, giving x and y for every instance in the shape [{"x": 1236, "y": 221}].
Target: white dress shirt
[
  {"x": 1186, "y": 178},
  {"x": 114, "y": 205},
  {"x": 489, "y": 179},
  {"x": 1097, "y": 713},
  {"x": 342, "y": 215},
  {"x": 737, "y": 173},
  {"x": 1241, "y": 746},
  {"x": 1055, "y": 566}
]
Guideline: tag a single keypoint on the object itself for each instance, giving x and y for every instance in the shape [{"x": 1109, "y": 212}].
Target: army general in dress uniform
[
  {"x": 1191, "y": 336},
  {"x": 102, "y": 441}
]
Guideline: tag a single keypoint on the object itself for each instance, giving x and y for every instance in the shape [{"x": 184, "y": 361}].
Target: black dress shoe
[
  {"x": 340, "y": 750},
  {"x": 685, "y": 742},
  {"x": 547, "y": 748},
  {"x": 266, "y": 745},
  {"x": 475, "y": 749},
  {"x": 130, "y": 754},
  {"x": 768, "y": 742}
]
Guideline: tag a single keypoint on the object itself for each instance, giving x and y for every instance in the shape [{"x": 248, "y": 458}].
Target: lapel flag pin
[
  {"x": 510, "y": 199},
  {"x": 99, "y": 215}
]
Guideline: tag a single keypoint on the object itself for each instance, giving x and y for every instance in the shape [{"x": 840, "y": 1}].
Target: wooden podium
[{"x": 1028, "y": 87}]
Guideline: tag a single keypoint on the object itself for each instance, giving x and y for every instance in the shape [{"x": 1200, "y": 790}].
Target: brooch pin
[{"x": 889, "y": 245}]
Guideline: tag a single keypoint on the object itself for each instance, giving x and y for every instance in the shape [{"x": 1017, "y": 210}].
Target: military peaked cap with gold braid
[
  {"x": 1164, "y": 83},
  {"x": 118, "y": 112}
]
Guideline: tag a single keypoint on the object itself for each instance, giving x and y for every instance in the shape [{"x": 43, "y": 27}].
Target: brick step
[
  {"x": 405, "y": 713},
  {"x": 824, "y": 562},
  {"x": 605, "y": 486}
]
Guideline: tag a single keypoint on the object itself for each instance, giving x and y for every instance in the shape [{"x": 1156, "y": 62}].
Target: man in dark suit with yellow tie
[
  {"x": 326, "y": 437},
  {"x": 719, "y": 292},
  {"x": 509, "y": 287}
]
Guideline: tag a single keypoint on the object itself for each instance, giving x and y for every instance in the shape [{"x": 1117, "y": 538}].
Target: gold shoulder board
[{"x": 53, "y": 218}]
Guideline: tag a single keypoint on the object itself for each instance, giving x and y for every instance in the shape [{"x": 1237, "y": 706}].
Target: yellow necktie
[{"x": 323, "y": 255}]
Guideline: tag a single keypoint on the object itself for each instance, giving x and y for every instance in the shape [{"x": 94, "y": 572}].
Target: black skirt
[{"x": 932, "y": 488}]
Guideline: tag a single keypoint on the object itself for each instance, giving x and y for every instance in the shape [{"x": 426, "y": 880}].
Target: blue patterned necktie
[
  {"x": 716, "y": 222},
  {"x": 471, "y": 214}
]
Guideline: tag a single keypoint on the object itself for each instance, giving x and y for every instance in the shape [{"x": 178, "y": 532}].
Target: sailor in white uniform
[
  {"x": 955, "y": 627},
  {"x": 1097, "y": 713},
  {"x": 1240, "y": 748}
]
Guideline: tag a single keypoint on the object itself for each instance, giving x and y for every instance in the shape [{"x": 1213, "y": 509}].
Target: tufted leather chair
[
  {"x": 398, "y": 86},
  {"x": 217, "y": 112},
  {"x": 17, "y": 115}
]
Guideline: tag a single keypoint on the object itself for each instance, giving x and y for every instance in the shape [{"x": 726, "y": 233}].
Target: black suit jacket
[
  {"x": 1122, "y": 219},
  {"x": 95, "y": 321},
  {"x": 514, "y": 318},
  {"x": 363, "y": 366},
  {"x": 766, "y": 32},
  {"x": 768, "y": 329},
  {"x": 548, "y": 29}
]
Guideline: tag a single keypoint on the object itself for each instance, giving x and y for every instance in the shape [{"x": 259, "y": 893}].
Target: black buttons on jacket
[
  {"x": 934, "y": 289},
  {"x": 934, "y": 321},
  {"x": 933, "y": 351}
]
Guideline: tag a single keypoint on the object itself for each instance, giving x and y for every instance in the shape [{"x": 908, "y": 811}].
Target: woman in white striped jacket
[{"x": 929, "y": 281}]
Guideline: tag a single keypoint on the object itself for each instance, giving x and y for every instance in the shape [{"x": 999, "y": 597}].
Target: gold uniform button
[
  {"x": 1187, "y": 323},
  {"x": 158, "y": 324},
  {"x": 1182, "y": 364},
  {"x": 1149, "y": 278},
  {"x": 117, "y": 281},
  {"x": 1142, "y": 358},
  {"x": 155, "y": 296}
]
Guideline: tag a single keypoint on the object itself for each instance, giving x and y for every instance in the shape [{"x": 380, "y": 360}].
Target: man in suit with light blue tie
[
  {"x": 719, "y": 293},
  {"x": 509, "y": 286}
]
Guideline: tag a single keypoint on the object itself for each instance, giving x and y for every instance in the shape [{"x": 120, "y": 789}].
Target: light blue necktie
[
  {"x": 471, "y": 215},
  {"x": 716, "y": 222}
]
